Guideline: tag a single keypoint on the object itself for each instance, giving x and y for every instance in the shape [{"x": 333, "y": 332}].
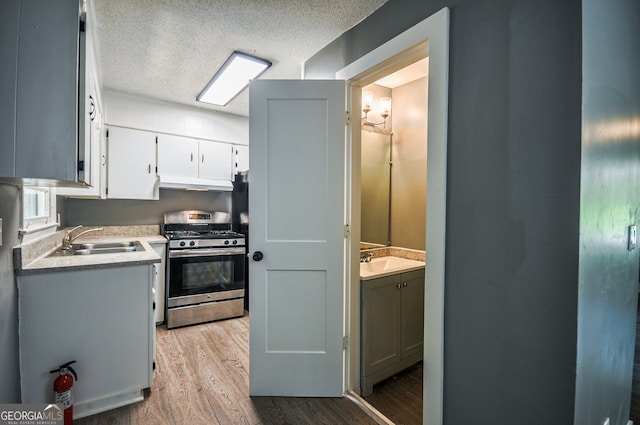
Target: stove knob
[
  {"x": 235, "y": 242},
  {"x": 192, "y": 243},
  {"x": 182, "y": 243},
  {"x": 226, "y": 242}
]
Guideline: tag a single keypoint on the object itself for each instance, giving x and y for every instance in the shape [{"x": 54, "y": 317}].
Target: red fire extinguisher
[{"x": 62, "y": 389}]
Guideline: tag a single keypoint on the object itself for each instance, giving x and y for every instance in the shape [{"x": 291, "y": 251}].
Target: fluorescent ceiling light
[{"x": 232, "y": 78}]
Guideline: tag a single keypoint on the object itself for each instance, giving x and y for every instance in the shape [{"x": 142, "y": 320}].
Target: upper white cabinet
[
  {"x": 43, "y": 46},
  {"x": 215, "y": 160},
  {"x": 131, "y": 164},
  {"x": 241, "y": 158},
  {"x": 177, "y": 156},
  {"x": 96, "y": 169},
  {"x": 187, "y": 162}
]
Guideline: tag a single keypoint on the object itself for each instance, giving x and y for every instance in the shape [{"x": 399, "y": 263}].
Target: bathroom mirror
[{"x": 375, "y": 185}]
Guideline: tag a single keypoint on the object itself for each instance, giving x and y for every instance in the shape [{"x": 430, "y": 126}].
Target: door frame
[{"x": 429, "y": 37}]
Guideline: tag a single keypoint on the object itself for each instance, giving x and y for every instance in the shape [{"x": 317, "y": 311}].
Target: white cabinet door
[
  {"x": 132, "y": 164},
  {"x": 215, "y": 160},
  {"x": 160, "y": 249},
  {"x": 177, "y": 156},
  {"x": 97, "y": 177},
  {"x": 241, "y": 159},
  {"x": 102, "y": 318}
]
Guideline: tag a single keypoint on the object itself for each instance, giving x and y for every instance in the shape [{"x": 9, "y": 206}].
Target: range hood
[{"x": 187, "y": 183}]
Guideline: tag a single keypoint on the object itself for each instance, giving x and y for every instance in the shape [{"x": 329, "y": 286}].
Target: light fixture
[
  {"x": 232, "y": 78},
  {"x": 384, "y": 108}
]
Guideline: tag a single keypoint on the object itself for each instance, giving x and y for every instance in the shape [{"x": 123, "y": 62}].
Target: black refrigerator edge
[{"x": 240, "y": 220}]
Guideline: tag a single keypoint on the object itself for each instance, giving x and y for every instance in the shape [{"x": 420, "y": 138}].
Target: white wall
[{"x": 163, "y": 117}]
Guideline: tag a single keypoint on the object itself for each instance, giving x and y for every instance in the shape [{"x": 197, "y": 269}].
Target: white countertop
[{"x": 47, "y": 264}]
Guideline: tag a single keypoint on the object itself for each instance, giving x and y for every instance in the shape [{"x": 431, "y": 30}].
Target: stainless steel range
[{"x": 205, "y": 268}]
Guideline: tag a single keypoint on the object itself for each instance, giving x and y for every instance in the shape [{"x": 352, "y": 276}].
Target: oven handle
[{"x": 202, "y": 252}]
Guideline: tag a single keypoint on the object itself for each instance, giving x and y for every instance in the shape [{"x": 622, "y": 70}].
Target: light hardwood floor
[{"x": 203, "y": 378}]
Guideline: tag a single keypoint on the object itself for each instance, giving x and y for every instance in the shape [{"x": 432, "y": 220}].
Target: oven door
[{"x": 210, "y": 274}]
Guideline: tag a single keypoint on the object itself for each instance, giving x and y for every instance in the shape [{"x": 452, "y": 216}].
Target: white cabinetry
[
  {"x": 96, "y": 171},
  {"x": 183, "y": 162},
  {"x": 160, "y": 249},
  {"x": 131, "y": 164},
  {"x": 241, "y": 159},
  {"x": 103, "y": 319},
  {"x": 177, "y": 156},
  {"x": 215, "y": 160}
]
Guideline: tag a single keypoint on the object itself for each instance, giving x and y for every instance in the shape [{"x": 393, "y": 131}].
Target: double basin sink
[
  {"x": 385, "y": 266},
  {"x": 99, "y": 248}
]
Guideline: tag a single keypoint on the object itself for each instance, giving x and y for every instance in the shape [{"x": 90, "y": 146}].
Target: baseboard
[{"x": 371, "y": 411}]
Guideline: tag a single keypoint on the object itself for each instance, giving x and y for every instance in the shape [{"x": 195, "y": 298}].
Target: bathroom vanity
[{"x": 392, "y": 312}]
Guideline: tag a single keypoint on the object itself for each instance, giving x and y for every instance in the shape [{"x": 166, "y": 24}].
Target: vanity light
[
  {"x": 232, "y": 78},
  {"x": 384, "y": 108}
]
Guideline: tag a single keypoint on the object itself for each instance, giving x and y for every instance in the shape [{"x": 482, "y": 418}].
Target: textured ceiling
[{"x": 170, "y": 49}]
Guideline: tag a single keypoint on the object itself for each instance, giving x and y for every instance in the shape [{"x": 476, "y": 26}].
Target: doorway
[
  {"x": 393, "y": 218},
  {"x": 429, "y": 39}
]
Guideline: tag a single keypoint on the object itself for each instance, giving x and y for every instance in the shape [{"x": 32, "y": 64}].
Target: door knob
[{"x": 257, "y": 256}]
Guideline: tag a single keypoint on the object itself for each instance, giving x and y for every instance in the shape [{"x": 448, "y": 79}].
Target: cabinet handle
[
  {"x": 404, "y": 284},
  {"x": 149, "y": 169},
  {"x": 191, "y": 156},
  {"x": 203, "y": 158},
  {"x": 398, "y": 286}
]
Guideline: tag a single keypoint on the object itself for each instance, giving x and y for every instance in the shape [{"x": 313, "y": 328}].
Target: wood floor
[
  {"x": 400, "y": 398},
  {"x": 203, "y": 378}
]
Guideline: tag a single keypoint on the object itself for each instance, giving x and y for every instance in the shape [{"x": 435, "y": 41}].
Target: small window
[
  {"x": 38, "y": 209},
  {"x": 36, "y": 203}
]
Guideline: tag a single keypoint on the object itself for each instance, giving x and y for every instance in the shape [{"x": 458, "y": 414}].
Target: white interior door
[{"x": 297, "y": 163}]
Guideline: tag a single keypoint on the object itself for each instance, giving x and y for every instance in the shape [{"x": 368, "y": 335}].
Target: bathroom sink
[
  {"x": 384, "y": 266},
  {"x": 99, "y": 248}
]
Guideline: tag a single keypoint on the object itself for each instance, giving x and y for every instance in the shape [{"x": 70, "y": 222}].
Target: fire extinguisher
[{"x": 62, "y": 389}]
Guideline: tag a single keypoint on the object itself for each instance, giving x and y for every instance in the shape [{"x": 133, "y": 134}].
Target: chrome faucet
[
  {"x": 68, "y": 239},
  {"x": 365, "y": 257}
]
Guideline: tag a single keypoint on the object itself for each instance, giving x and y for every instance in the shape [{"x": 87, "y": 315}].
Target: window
[
  {"x": 38, "y": 209},
  {"x": 36, "y": 203}
]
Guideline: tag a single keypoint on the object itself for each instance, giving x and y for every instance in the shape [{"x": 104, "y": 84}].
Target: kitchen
[{"x": 109, "y": 204}]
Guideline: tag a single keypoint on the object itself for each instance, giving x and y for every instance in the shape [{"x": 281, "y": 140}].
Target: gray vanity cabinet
[{"x": 392, "y": 323}]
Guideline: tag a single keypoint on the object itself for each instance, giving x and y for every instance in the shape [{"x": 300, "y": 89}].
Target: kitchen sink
[
  {"x": 99, "y": 248},
  {"x": 107, "y": 245}
]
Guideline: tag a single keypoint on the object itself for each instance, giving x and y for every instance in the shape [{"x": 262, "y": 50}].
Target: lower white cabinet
[
  {"x": 101, "y": 318},
  {"x": 132, "y": 164},
  {"x": 161, "y": 268},
  {"x": 392, "y": 326}
]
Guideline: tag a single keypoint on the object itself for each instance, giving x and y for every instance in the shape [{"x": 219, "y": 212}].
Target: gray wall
[
  {"x": 121, "y": 212},
  {"x": 513, "y": 185},
  {"x": 9, "y": 365},
  {"x": 610, "y": 198}
]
